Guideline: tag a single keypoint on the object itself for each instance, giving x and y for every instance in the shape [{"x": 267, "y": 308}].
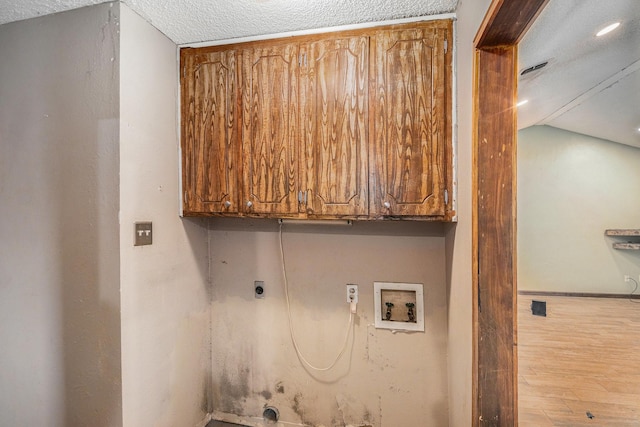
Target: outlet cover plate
[{"x": 352, "y": 293}]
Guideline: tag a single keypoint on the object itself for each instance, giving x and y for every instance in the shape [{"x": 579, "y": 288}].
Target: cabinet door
[
  {"x": 411, "y": 126},
  {"x": 210, "y": 146},
  {"x": 334, "y": 124},
  {"x": 269, "y": 129}
]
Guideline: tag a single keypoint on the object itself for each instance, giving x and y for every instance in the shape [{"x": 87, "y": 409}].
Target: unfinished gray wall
[
  {"x": 165, "y": 291},
  {"x": 385, "y": 379},
  {"x": 459, "y": 236},
  {"x": 59, "y": 264}
]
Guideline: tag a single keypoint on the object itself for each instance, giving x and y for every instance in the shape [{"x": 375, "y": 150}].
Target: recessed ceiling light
[
  {"x": 608, "y": 29},
  {"x": 524, "y": 101}
]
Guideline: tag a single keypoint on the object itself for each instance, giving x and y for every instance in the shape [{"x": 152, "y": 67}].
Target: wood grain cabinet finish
[
  {"x": 334, "y": 124},
  {"x": 209, "y": 128},
  {"x": 270, "y": 140},
  {"x": 342, "y": 125},
  {"x": 411, "y": 142}
]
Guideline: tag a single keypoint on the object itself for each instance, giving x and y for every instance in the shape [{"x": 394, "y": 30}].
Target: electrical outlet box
[
  {"x": 352, "y": 293},
  {"x": 539, "y": 308},
  {"x": 258, "y": 289}
]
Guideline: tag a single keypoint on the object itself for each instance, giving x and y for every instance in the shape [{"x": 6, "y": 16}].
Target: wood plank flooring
[{"x": 583, "y": 358}]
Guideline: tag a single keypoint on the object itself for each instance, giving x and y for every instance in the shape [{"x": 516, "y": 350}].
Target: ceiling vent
[{"x": 534, "y": 68}]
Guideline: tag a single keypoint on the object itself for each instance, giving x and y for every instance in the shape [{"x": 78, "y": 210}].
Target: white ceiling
[
  {"x": 191, "y": 21},
  {"x": 591, "y": 84}
]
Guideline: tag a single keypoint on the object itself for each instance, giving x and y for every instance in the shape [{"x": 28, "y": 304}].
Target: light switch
[{"x": 143, "y": 234}]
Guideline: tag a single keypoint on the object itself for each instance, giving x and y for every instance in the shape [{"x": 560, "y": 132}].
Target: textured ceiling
[
  {"x": 591, "y": 84},
  {"x": 12, "y": 10},
  {"x": 191, "y": 21}
]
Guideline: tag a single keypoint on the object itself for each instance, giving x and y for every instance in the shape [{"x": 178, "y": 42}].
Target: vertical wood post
[
  {"x": 495, "y": 205},
  {"x": 494, "y": 211}
]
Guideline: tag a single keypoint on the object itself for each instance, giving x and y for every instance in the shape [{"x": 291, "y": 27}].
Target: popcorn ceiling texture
[
  {"x": 191, "y": 21},
  {"x": 11, "y": 10}
]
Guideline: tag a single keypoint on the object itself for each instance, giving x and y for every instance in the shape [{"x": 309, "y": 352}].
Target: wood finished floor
[{"x": 583, "y": 357}]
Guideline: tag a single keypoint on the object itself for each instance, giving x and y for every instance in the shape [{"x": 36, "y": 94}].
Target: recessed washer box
[{"x": 399, "y": 306}]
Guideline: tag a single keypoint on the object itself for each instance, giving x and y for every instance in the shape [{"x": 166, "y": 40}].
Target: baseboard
[
  {"x": 578, "y": 294},
  {"x": 205, "y": 421},
  {"x": 250, "y": 421}
]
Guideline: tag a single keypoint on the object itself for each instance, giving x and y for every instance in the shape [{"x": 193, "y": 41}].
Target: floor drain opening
[{"x": 271, "y": 413}]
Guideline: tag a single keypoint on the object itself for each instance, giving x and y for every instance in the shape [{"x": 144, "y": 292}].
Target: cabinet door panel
[
  {"x": 410, "y": 123},
  {"x": 334, "y": 98},
  {"x": 209, "y": 133},
  {"x": 269, "y": 138}
]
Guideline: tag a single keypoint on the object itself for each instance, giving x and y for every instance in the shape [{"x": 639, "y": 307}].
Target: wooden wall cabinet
[
  {"x": 304, "y": 128},
  {"x": 270, "y": 152},
  {"x": 341, "y": 125},
  {"x": 334, "y": 126},
  {"x": 209, "y": 130},
  {"x": 410, "y": 152}
]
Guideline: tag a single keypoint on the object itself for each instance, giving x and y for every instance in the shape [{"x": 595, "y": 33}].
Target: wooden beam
[
  {"x": 496, "y": 244},
  {"x": 494, "y": 211},
  {"x": 507, "y": 21}
]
